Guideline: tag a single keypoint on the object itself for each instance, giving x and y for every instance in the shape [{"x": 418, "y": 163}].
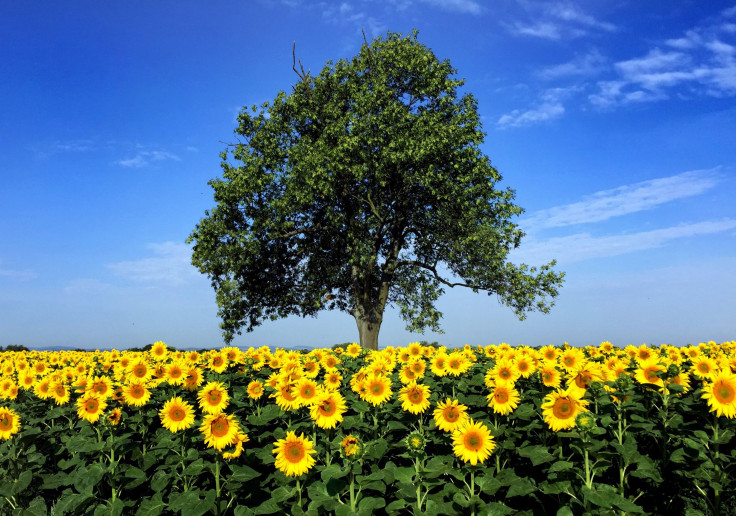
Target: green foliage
[{"x": 364, "y": 186}]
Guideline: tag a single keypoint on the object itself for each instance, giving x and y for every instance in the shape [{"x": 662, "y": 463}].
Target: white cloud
[
  {"x": 20, "y": 275},
  {"x": 585, "y": 65},
  {"x": 549, "y": 107},
  {"x": 626, "y": 199},
  {"x": 169, "y": 265},
  {"x": 584, "y": 246},
  {"x": 559, "y": 20},
  {"x": 701, "y": 62},
  {"x": 146, "y": 158},
  {"x": 461, "y": 6}
]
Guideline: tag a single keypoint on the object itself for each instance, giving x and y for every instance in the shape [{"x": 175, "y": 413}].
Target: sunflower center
[
  {"x": 294, "y": 452},
  {"x": 501, "y": 396},
  {"x": 562, "y": 409},
  {"x": 220, "y": 427},
  {"x": 377, "y": 388},
  {"x": 137, "y": 391},
  {"x": 307, "y": 391},
  {"x": 92, "y": 406},
  {"x": 140, "y": 371},
  {"x": 327, "y": 408},
  {"x": 177, "y": 414},
  {"x": 724, "y": 393},
  {"x": 651, "y": 375},
  {"x": 214, "y": 397},
  {"x": 175, "y": 373},
  {"x": 217, "y": 361},
  {"x": 703, "y": 368},
  {"x": 60, "y": 390},
  {"x": 569, "y": 361},
  {"x": 504, "y": 373},
  {"x": 5, "y": 423},
  {"x": 451, "y": 414},
  {"x": 415, "y": 396},
  {"x": 473, "y": 441}
]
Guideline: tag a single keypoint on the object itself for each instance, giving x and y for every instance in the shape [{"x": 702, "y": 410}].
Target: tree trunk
[{"x": 368, "y": 332}]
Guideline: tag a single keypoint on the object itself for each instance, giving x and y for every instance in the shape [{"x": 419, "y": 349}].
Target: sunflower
[
  {"x": 220, "y": 430},
  {"x": 193, "y": 379},
  {"x": 311, "y": 368},
  {"x": 9, "y": 423},
  {"x": 240, "y": 438},
  {"x": 525, "y": 365},
  {"x": 136, "y": 393},
  {"x": 550, "y": 375},
  {"x": 175, "y": 373},
  {"x": 571, "y": 358},
  {"x": 59, "y": 392},
  {"x": 114, "y": 416},
  {"x": 330, "y": 362},
  {"x": 284, "y": 398},
  {"x": 350, "y": 445},
  {"x": 561, "y": 407},
  {"x": 704, "y": 367},
  {"x": 305, "y": 391},
  {"x": 294, "y": 454},
  {"x": 353, "y": 350},
  {"x": 438, "y": 364},
  {"x": 327, "y": 411},
  {"x": 213, "y": 398},
  {"x": 158, "y": 351},
  {"x": 721, "y": 394},
  {"x": 140, "y": 370},
  {"x": 255, "y": 390},
  {"x": 450, "y": 414},
  {"x": 457, "y": 363},
  {"x": 647, "y": 371},
  {"x": 407, "y": 375},
  {"x": 90, "y": 407},
  {"x": 332, "y": 381},
  {"x": 504, "y": 398},
  {"x": 377, "y": 389},
  {"x": 414, "y": 398},
  {"x": 217, "y": 362},
  {"x": 176, "y": 415},
  {"x": 472, "y": 442},
  {"x": 101, "y": 386}
]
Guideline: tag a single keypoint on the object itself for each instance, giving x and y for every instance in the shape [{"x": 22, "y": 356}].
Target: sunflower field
[{"x": 405, "y": 430}]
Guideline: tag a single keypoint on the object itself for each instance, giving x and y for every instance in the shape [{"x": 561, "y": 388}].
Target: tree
[{"x": 363, "y": 187}]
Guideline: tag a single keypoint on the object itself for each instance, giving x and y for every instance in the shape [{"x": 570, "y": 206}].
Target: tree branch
[{"x": 433, "y": 270}]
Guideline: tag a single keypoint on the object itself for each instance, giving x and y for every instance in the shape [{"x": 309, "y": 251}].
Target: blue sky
[{"x": 614, "y": 122}]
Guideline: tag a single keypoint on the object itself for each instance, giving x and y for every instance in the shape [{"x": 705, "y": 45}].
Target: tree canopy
[{"x": 363, "y": 187}]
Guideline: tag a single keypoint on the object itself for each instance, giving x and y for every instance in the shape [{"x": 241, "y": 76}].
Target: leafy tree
[{"x": 363, "y": 187}]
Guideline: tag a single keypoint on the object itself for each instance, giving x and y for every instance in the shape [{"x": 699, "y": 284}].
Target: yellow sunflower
[
  {"x": 561, "y": 407},
  {"x": 115, "y": 416},
  {"x": 504, "y": 398},
  {"x": 100, "y": 386},
  {"x": 136, "y": 394},
  {"x": 704, "y": 367},
  {"x": 472, "y": 442},
  {"x": 158, "y": 351},
  {"x": 90, "y": 407},
  {"x": 255, "y": 390},
  {"x": 414, "y": 398},
  {"x": 213, "y": 398},
  {"x": 353, "y": 350},
  {"x": 328, "y": 409},
  {"x": 193, "y": 378},
  {"x": 59, "y": 392},
  {"x": 9, "y": 423},
  {"x": 647, "y": 371},
  {"x": 438, "y": 364},
  {"x": 350, "y": 445},
  {"x": 721, "y": 394},
  {"x": 305, "y": 391},
  {"x": 176, "y": 415},
  {"x": 294, "y": 454},
  {"x": 284, "y": 398},
  {"x": 140, "y": 370},
  {"x": 450, "y": 414},
  {"x": 240, "y": 438},
  {"x": 550, "y": 375},
  {"x": 332, "y": 381},
  {"x": 220, "y": 430},
  {"x": 175, "y": 373},
  {"x": 457, "y": 363},
  {"x": 377, "y": 389}
]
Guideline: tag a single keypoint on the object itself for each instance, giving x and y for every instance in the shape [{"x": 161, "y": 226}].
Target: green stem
[
  {"x": 352, "y": 492},
  {"x": 217, "y": 484},
  {"x": 717, "y": 467}
]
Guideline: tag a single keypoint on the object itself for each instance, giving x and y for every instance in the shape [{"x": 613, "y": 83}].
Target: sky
[{"x": 613, "y": 121}]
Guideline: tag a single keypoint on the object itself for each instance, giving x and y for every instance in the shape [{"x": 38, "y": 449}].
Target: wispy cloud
[
  {"x": 585, "y": 65},
  {"x": 584, "y": 246},
  {"x": 626, "y": 199},
  {"x": 700, "y": 62},
  {"x": 460, "y": 6},
  {"x": 547, "y": 108},
  {"x": 169, "y": 265},
  {"x": 147, "y": 158},
  {"x": 15, "y": 274},
  {"x": 559, "y": 20}
]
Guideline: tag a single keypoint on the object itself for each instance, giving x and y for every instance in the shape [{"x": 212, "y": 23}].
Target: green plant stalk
[
  {"x": 717, "y": 467},
  {"x": 217, "y": 483}
]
